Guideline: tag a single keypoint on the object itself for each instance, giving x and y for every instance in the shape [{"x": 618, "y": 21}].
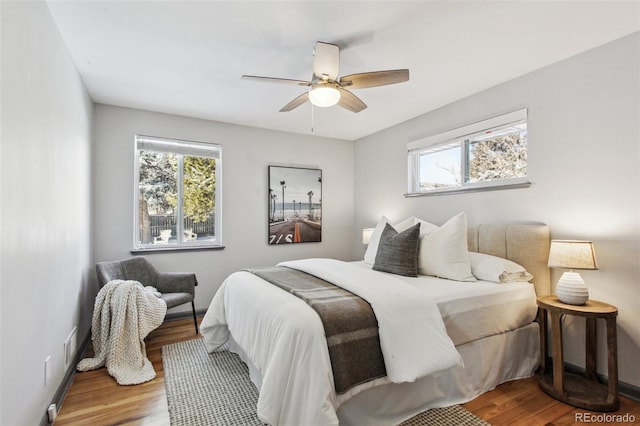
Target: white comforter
[{"x": 284, "y": 338}]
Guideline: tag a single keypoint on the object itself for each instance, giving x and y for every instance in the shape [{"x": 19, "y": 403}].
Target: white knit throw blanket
[{"x": 124, "y": 314}]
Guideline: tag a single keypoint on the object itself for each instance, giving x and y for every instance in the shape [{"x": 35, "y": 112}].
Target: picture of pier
[{"x": 295, "y": 205}]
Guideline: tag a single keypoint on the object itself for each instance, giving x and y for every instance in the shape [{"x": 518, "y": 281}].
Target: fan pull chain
[{"x": 312, "y": 119}]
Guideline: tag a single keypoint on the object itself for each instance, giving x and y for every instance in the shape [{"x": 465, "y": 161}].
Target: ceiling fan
[{"x": 327, "y": 89}]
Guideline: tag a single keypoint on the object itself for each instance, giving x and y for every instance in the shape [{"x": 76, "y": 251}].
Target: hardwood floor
[
  {"x": 96, "y": 399},
  {"x": 522, "y": 402}
]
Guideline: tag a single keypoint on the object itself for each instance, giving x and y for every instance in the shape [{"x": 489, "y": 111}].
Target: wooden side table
[{"x": 577, "y": 390}]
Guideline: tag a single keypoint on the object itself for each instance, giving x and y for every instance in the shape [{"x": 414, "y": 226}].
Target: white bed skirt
[{"x": 488, "y": 362}]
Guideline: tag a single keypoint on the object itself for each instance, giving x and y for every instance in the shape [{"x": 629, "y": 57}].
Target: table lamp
[
  {"x": 572, "y": 254},
  {"x": 366, "y": 235}
]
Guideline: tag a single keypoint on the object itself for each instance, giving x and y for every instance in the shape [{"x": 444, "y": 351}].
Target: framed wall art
[{"x": 295, "y": 205}]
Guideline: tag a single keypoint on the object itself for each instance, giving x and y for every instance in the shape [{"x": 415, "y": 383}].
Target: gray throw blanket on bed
[{"x": 350, "y": 325}]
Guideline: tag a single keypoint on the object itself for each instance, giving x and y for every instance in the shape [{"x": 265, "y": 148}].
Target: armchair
[{"x": 175, "y": 288}]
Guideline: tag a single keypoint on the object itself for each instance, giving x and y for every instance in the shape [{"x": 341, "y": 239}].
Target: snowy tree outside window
[
  {"x": 175, "y": 195},
  {"x": 491, "y": 154}
]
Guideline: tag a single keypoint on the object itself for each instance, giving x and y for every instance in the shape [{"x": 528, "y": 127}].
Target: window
[
  {"x": 491, "y": 154},
  {"x": 177, "y": 194}
]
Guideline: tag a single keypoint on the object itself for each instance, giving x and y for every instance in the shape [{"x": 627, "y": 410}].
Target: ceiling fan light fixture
[
  {"x": 326, "y": 88},
  {"x": 324, "y": 95}
]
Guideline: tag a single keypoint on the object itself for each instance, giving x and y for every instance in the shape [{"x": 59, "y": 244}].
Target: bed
[{"x": 490, "y": 328}]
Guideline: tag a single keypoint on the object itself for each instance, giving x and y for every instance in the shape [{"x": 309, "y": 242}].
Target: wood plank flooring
[{"x": 96, "y": 399}]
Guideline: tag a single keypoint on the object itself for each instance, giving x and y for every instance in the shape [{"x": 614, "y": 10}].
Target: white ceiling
[{"x": 186, "y": 57}]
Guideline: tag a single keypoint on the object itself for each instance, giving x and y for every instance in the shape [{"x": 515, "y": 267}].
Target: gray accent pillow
[{"x": 398, "y": 252}]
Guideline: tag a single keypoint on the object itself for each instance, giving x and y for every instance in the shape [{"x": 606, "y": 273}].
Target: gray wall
[
  {"x": 584, "y": 151},
  {"x": 246, "y": 153},
  {"x": 45, "y": 209}
]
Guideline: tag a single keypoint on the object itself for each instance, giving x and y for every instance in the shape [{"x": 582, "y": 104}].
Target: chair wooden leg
[{"x": 195, "y": 321}]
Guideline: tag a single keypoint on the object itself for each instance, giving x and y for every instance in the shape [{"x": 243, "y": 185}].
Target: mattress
[{"x": 473, "y": 310}]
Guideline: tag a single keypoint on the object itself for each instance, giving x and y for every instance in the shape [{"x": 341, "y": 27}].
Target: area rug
[{"x": 215, "y": 390}]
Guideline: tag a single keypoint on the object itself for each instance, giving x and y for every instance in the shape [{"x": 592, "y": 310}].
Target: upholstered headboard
[{"x": 527, "y": 245}]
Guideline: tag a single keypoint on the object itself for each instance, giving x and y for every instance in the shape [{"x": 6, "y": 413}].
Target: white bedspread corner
[{"x": 214, "y": 328}]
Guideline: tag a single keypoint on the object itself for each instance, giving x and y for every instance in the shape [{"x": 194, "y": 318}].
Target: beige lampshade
[
  {"x": 572, "y": 254},
  {"x": 366, "y": 235}
]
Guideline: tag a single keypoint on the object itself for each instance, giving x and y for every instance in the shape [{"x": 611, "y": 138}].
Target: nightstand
[{"x": 578, "y": 390}]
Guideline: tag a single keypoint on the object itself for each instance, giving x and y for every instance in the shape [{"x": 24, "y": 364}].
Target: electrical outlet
[{"x": 47, "y": 370}]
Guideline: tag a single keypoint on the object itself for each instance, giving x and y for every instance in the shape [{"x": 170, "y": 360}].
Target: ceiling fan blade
[
  {"x": 373, "y": 79},
  {"x": 276, "y": 80},
  {"x": 350, "y": 101},
  {"x": 296, "y": 102},
  {"x": 326, "y": 61}
]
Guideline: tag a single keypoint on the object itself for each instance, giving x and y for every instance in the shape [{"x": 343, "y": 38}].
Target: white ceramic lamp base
[{"x": 571, "y": 289}]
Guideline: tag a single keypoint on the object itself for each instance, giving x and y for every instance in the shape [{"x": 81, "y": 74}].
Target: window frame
[
  {"x": 181, "y": 148},
  {"x": 460, "y": 137}
]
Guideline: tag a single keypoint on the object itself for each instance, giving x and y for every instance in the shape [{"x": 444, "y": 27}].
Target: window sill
[
  {"x": 467, "y": 189},
  {"x": 175, "y": 248}
]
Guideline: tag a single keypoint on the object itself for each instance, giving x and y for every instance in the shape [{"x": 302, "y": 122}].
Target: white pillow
[
  {"x": 444, "y": 252},
  {"x": 404, "y": 225},
  {"x": 372, "y": 248},
  {"x": 496, "y": 269},
  {"x": 425, "y": 227}
]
